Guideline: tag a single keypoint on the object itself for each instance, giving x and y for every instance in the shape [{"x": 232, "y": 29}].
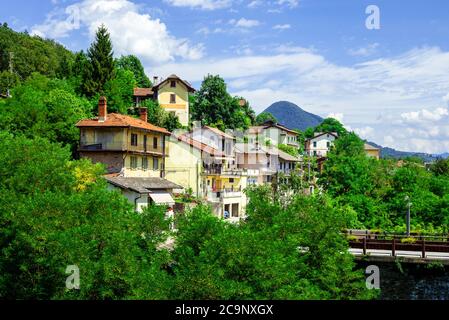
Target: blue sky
[{"x": 390, "y": 85}]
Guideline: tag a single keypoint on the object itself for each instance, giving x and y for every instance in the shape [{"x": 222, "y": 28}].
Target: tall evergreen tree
[{"x": 101, "y": 66}]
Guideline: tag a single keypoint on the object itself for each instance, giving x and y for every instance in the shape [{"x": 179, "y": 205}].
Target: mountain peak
[{"x": 292, "y": 116}]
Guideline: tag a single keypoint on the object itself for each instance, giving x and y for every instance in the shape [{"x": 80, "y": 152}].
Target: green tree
[
  {"x": 41, "y": 107},
  {"x": 331, "y": 125},
  {"x": 214, "y": 106},
  {"x": 101, "y": 66},
  {"x": 119, "y": 91},
  {"x": 133, "y": 64},
  {"x": 289, "y": 149},
  {"x": 55, "y": 212},
  {"x": 264, "y": 117},
  {"x": 441, "y": 167},
  {"x": 265, "y": 258}
]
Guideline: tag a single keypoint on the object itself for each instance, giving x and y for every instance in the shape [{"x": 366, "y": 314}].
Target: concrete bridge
[{"x": 386, "y": 247}]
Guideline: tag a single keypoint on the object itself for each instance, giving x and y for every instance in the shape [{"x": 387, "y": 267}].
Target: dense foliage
[
  {"x": 264, "y": 117},
  {"x": 55, "y": 212},
  {"x": 376, "y": 189},
  {"x": 214, "y": 106}
]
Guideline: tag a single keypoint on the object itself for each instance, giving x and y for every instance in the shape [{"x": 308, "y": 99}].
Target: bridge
[{"x": 388, "y": 247}]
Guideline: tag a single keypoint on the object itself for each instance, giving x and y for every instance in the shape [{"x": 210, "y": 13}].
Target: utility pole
[
  {"x": 407, "y": 219},
  {"x": 11, "y": 71}
]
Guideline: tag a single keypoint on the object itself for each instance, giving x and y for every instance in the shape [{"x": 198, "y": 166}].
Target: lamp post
[{"x": 407, "y": 220}]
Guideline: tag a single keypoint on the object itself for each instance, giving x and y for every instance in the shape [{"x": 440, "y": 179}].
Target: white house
[{"x": 320, "y": 144}]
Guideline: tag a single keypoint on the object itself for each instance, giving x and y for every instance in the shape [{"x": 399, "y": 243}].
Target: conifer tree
[{"x": 100, "y": 68}]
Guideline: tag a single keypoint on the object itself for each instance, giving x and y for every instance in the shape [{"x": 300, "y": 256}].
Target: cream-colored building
[
  {"x": 372, "y": 151},
  {"x": 320, "y": 144},
  {"x": 273, "y": 132},
  {"x": 210, "y": 173},
  {"x": 133, "y": 152}
]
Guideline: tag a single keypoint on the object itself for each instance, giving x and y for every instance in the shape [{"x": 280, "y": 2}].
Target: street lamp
[{"x": 407, "y": 220}]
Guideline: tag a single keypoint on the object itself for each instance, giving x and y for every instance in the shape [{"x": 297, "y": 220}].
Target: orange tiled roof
[
  {"x": 143, "y": 92},
  {"x": 123, "y": 121},
  {"x": 219, "y": 132},
  {"x": 201, "y": 146}
]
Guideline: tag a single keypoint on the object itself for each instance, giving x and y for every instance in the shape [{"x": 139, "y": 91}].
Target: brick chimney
[
  {"x": 102, "y": 109},
  {"x": 143, "y": 114}
]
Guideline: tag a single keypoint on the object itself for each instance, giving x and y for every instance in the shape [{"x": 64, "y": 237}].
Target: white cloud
[
  {"x": 132, "y": 32},
  {"x": 446, "y": 98},
  {"x": 425, "y": 115},
  {"x": 365, "y": 132},
  {"x": 255, "y": 3},
  {"x": 337, "y": 116},
  {"x": 364, "y": 51},
  {"x": 244, "y": 23},
  {"x": 372, "y": 94},
  {"x": 282, "y": 27},
  {"x": 201, "y": 4},
  {"x": 289, "y": 3}
]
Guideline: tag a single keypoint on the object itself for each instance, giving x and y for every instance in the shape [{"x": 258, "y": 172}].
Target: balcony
[
  {"x": 217, "y": 195},
  {"x": 109, "y": 146},
  {"x": 220, "y": 171},
  {"x": 119, "y": 146}
]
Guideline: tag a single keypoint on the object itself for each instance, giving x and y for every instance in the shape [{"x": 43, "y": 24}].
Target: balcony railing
[
  {"x": 118, "y": 146},
  {"x": 223, "y": 171},
  {"x": 102, "y": 146},
  {"x": 220, "y": 194}
]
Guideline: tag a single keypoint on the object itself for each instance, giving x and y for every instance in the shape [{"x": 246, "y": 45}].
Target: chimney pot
[
  {"x": 102, "y": 109},
  {"x": 143, "y": 114},
  {"x": 155, "y": 80}
]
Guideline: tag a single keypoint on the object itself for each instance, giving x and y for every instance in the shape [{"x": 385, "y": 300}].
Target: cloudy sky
[{"x": 390, "y": 85}]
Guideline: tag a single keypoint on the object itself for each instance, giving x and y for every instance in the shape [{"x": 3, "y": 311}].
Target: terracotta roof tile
[
  {"x": 120, "y": 120},
  {"x": 143, "y": 92},
  {"x": 201, "y": 146}
]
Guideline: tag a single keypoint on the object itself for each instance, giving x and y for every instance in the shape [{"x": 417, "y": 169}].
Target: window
[
  {"x": 145, "y": 138},
  {"x": 154, "y": 143},
  {"x": 173, "y": 84},
  {"x": 134, "y": 139},
  {"x": 173, "y": 98},
  {"x": 155, "y": 164},
  {"x": 231, "y": 180},
  {"x": 328, "y": 144},
  {"x": 314, "y": 153},
  {"x": 145, "y": 163},
  {"x": 314, "y": 144},
  {"x": 133, "y": 163}
]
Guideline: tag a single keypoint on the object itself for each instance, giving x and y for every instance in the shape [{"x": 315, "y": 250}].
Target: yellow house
[
  {"x": 372, "y": 151},
  {"x": 210, "y": 174},
  {"x": 173, "y": 95}
]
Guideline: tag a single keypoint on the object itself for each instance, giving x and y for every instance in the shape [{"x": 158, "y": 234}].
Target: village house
[
  {"x": 320, "y": 144},
  {"x": 262, "y": 163},
  {"x": 172, "y": 94},
  {"x": 202, "y": 161},
  {"x": 273, "y": 132},
  {"x": 372, "y": 151},
  {"x": 133, "y": 152}
]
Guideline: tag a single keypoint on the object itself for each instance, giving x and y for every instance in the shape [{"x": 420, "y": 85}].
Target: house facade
[
  {"x": 172, "y": 94},
  {"x": 320, "y": 144},
  {"x": 372, "y": 151},
  {"x": 262, "y": 163},
  {"x": 208, "y": 171},
  {"x": 273, "y": 132},
  {"x": 133, "y": 152}
]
